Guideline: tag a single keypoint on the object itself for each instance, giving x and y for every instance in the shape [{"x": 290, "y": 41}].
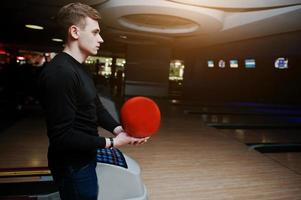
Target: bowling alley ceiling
[{"x": 175, "y": 23}]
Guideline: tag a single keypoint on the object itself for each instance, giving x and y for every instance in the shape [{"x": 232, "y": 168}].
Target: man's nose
[{"x": 100, "y": 40}]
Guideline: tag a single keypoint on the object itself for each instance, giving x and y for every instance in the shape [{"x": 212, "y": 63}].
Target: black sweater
[{"x": 73, "y": 112}]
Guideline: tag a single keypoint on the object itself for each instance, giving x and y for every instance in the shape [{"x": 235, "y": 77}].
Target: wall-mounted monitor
[
  {"x": 222, "y": 64},
  {"x": 281, "y": 63},
  {"x": 233, "y": 63},
  {"x": 210, "y": 63},
  {"x": 250, "y": 63}
]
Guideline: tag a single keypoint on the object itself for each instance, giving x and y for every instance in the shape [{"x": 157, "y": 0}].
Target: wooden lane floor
[
  {"x": 187, "y": 160},
  {"x": 289, "y": 159},
  {"x": 184, "y": 160},
  {"x": 24, "y": 145},
  {"x": 273, "y": 129}
]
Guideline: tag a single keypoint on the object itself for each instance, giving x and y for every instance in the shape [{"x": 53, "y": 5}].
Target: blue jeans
[{"x": 76, "y": 183}]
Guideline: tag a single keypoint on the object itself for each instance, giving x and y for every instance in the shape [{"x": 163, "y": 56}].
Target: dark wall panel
[{"x": 265, "y": 83}]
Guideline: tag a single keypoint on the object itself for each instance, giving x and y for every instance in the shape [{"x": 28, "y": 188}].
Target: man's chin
[{"x": 94, "y": 53}]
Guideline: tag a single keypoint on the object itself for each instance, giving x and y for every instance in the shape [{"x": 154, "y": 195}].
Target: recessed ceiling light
[
  {"x": 32, "y": 26},
  {"x": 57, "y": 40}
]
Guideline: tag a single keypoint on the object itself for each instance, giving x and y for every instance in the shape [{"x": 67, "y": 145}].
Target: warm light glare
[
  {"x": 57, "y": 40},
  {"x": 20, "y": 58},
  {"x": 176, "y": 71},
  {"x": 32, "y": 26},
  {"x": 178, "y": 63}
]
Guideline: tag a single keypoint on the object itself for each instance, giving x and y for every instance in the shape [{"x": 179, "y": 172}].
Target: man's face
[{"x": 89, "y": 38}]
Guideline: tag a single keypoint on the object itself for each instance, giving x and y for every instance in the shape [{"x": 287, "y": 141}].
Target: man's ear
[{"x": 74, "y": 31}]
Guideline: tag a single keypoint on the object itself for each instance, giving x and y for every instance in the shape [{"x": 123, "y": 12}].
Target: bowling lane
[
  {"x": 247, "y": 115},
  {"x": 273, "y": 130},
  {"x": 25, "y": 144},
  {"x": 264, "y": 136},
  {"x": 200, "y": 162},
  {"x": 243, "y": 109},
  {"x": 282, "y": 141},
  {"x": 184, "y": 160}
]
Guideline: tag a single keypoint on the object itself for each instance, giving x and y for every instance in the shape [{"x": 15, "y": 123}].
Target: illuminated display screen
[
  {"x": 281, "y": 63},
  {"x": 233, "y": 63},
  {"x": 250, "y": 63},
  {"x": 210, "y": 63},
  {"x": 222, "y": 64}
]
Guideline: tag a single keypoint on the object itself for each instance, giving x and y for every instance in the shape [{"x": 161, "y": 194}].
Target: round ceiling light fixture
[
  {"x": 158, "y": 23},
  {"x": 161, "y": 17}
]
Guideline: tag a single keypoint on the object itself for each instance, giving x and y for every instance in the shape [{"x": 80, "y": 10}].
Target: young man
[{"x": 73, "y": 110}]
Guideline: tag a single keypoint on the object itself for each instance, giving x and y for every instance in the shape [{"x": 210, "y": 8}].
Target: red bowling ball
[{"x": 140, "y": 117}]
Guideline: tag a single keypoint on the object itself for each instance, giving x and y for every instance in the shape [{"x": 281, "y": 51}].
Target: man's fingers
[
  {"x": 138, "y": 141},
  {"x": 141, "y": 142}
]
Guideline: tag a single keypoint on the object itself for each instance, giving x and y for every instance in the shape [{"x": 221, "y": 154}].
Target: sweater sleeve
[
  {"x": 59, "y": 100},
  {"x": 104, "y": 118}
]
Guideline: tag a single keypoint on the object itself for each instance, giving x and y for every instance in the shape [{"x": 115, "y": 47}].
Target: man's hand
[{"x": 123, "y": 138}]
